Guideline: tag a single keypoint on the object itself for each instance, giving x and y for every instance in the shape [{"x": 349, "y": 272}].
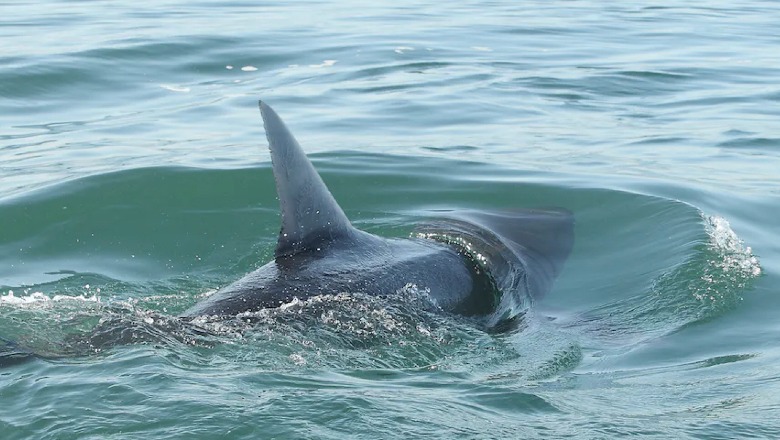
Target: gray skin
[{"x": 486, "y": 264}]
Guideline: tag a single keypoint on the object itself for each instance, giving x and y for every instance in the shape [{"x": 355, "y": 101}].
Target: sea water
[{"x": 135, "y": 180}]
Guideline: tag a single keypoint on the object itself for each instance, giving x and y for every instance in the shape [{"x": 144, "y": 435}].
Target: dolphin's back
[
  {"x": 365, "y": 264},
  {"x": 472, "y": 263}
]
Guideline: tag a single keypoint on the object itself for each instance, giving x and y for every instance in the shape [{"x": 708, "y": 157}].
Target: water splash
[
  {"x": 728, "y": 268},
  {"x": 708, "y": 284},
  {"x": 736, "y": 256},
  {"x": 39, "y": 298}
]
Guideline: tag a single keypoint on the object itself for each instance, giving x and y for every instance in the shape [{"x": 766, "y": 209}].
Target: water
[{"x": 134, "y": 180}]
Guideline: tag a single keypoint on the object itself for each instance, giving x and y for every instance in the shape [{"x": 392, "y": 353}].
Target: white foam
[
  {"x": 736, "y": 256},
  {"x": 295, "y": 301},
  {"x": 249, "y": 68},
  {"x": 402, "y": 49},
  {"x": 297, "y": 359},
  {"x": 27, "y": 298}
]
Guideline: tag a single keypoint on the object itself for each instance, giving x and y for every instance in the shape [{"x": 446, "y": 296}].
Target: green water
[{"x": 134, "y": 180}]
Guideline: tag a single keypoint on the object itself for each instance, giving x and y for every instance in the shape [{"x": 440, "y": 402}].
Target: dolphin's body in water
[{"x": 489, "y": 265}]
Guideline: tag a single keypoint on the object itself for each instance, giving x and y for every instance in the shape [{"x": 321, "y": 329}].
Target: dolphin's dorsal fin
[{"x": 310, "y": 214}]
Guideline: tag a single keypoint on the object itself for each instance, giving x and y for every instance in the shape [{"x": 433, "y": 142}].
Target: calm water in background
[{"x": 134, "y": 179}]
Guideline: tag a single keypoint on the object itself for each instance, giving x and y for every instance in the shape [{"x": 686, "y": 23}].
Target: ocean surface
[{"x": 135, "y": 180}]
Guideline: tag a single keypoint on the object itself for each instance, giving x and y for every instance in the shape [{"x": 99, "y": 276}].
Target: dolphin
[{"x": 488, "y": 265}]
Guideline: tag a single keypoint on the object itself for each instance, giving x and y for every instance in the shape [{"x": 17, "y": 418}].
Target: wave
[{"x": 132, "y": 249}]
